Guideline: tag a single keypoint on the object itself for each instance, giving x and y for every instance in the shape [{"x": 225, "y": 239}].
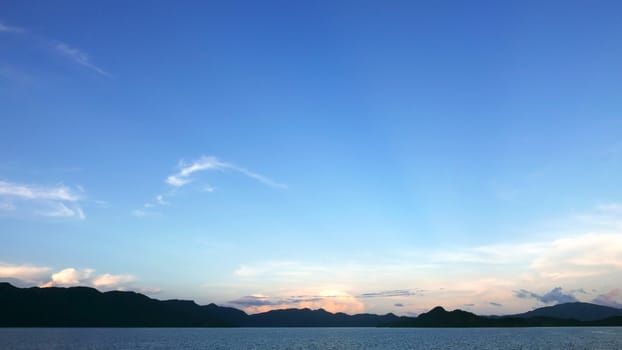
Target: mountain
[
  {"x": 577, "y": 311},
  {"x": 88, "y": 307},
  {"x": 317, "y": 318}
]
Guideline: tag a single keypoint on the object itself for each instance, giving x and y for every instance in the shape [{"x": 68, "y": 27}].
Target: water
[{"x": 309, "y": 338}]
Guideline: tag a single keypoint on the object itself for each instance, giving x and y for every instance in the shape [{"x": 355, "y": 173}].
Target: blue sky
[{"x": 356, "y": 156}]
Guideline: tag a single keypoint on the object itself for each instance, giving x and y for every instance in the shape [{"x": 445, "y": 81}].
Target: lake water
[{"x": 309, "y": 338}]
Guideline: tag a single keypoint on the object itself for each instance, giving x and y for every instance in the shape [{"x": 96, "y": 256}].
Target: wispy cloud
[
  {"x": 50, "y": 201},
  {"x": 79, "y": 57},
  {"x": 60, "y": 210},
  {"x": 10, "y": 29},
  {"x": 71, "y": 53},
  {"x": 390, "y": 293},
  {"x": 183, "y": 176},
  {"x": 34, "y": 192},
  {"x": 186, "y": 174}
]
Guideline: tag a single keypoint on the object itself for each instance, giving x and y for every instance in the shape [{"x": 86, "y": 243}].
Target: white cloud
[
  {"x": 52, "y": 201},
  {"x": 87, "y": 277},
  {"x": 61, "y": 210},
  {"x": 110, "y": 281},
  {"x": 69, "y": 277},
  {"x": 79, "y": 57},
  {"x": 40, "y": 275},
  {"x": 34, "y": 192},
  {"x": 26, "y": 273},
  {"x": 182, "y": 177}
]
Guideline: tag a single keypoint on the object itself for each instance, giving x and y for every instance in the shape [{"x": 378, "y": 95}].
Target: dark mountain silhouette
[
  {"x": 88, "y": 307},
  {"x": 317, "y": 318},
  {"x": 578, "y": 311}
]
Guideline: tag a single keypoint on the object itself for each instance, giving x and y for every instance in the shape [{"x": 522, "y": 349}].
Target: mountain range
[{"x": 88, "y": 307}]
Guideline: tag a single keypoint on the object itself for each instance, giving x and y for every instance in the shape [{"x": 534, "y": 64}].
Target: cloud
[
  {"x": 329, "y": 300},
  {"x": 398, "y": 305},
  {"x": 34, "y": 192},
  {"x": 69, "y": 277},
  {"x": 140, "y": 213},
  {"x": 389, "y": 293},
  {"x": 555, "y": 296},
  {"x": 205, "y": 163},
  {"x": 160, "y": 200},
  {"x": 9, "y": 29},
  {"x": 26, "y": 273},
  {"x": 253, "y": 301},
  {"x": 87, "y": 277},
  {"x": 73, "y": 54},
  {"x": 109, "y": 281},
  {"x": 52, "y": 201},
  {"x": 61, "y": 210},
  {"x": 79, "y": 57},
  {"x": 613, "y": 299},
  {"x": 495, "y": 304}
]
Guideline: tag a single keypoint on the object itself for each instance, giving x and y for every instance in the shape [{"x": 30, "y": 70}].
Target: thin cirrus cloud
[
  {"x": 187, "y": 173},
  {"x": 207, "y": 163},
  {"x": 51, "y": 201},
  {"x": 80, "y": 57},
  {"x": 71, "y": 53},
  {"x": 390, "y": 293},
  {"x": 10, "y": 29}
]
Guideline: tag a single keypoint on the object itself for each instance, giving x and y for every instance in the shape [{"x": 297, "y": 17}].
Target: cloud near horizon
[
  {"x": 25, "y": 273},
  {"x": 329, "y": 300},
  {"x": 41, "y": 276},
  {"x": 555, "y": 296},
  {"x": 613, "y": 298}
]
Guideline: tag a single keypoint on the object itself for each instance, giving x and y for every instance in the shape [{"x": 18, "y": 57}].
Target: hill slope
[{"x": 577, "y": 311}]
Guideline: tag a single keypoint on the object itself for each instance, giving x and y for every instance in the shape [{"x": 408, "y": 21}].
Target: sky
[{"x": 364, "y": 156}]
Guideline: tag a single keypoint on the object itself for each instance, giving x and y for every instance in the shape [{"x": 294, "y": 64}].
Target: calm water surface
[{"x": 309, "y": 338}]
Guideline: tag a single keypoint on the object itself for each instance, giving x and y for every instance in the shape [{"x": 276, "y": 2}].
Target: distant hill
[
  {"x": 317, "y": 318},
  {"x": 577, "y": 311},
  {"x": 88, "y": 307}
]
